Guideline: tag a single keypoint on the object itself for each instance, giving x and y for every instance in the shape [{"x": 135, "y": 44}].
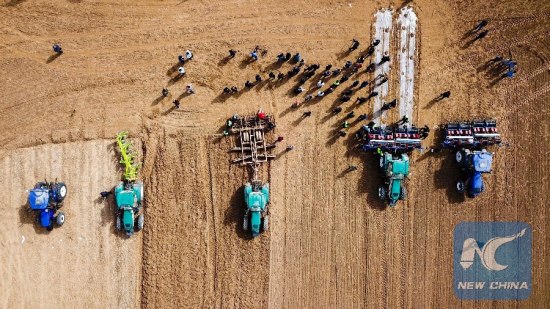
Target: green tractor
[
  {"x": 129, "y": 192},
  {"x": 256, "y": 197},
  {"x": 129, "y": 198},
  {"x": 395, "y": 169}
]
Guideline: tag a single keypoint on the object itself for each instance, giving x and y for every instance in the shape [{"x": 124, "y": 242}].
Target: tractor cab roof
[
  {"x": 256, "y": 199},
  {"x": 482, "y": 162},
  {"x": 125, "y": 198},
  {"x": 400, "y": 167},
  {"x": 39, "y": 198}
]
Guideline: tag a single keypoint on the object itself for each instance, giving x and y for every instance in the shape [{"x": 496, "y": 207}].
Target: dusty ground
[
  {"x": 331, "y": 243},
  {"x": 84, "y": 263}
]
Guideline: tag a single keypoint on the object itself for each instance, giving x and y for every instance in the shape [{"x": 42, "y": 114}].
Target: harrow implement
[{"x": 127, "y": 156}]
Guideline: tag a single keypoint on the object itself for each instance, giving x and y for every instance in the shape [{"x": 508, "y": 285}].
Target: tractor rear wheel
[
  {"x": 266, "y": 223},
  {"x": 460, "y": 186},
  {"x": 139, "y": 186},
  {"x": 140, "y": 222},
  {"x": 60, "y": 191},
  {"x": 403, "y": 195},
  {"x": 245, "y": 223},
  {"x": 458, "y": 156},
  {"x": 118, "y": 223},
  {"x": 382, "y": 192},
  {"x": 60, "y": 219}
]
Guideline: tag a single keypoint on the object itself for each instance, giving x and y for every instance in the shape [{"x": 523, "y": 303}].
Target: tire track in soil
[{"x": 212, "y": 262}]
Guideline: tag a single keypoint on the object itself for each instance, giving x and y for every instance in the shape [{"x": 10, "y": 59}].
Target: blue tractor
[
  {"x": 473, "y": 164},
  {"x": 256, "y": 197},
  {"x": 469, "y": 139},
  {"x": 46, "y": 198}
]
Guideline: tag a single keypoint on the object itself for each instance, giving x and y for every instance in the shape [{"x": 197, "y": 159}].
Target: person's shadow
[
  {"x": 53, "y": 57},
  {"x": 14, "y": 2}
]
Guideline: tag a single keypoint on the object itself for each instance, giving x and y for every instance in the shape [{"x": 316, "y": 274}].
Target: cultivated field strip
[
  {"x": 195, "y": 252},
  {"x": 382, "y": 32},
  {"x": 407, "y": 58}
]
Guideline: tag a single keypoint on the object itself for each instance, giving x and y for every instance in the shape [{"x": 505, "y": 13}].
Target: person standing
[
  {"x": 384, "y": 59},
  {"x": 320, "y": 84},
  {"x": 354, "y": 45},
  {"x": 444, "y": 95},
  {"x": 57, "y": 49},
  {"x": 480, "y": 25}
]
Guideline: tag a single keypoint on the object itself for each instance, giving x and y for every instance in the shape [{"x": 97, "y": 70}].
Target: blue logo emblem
[{"x": 492, "y": 260}]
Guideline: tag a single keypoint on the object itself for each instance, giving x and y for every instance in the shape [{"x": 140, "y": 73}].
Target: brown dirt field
[
  {"x": 82, "y": 264},
  {"x": 331, "y": 243}
]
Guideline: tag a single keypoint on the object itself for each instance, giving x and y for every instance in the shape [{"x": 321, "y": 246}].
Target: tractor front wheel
[
  {"x": 460, "y": 186},
  {"x": 245, "y": 223},
  {"x": 382, "y": 192},
  {"x": 118, "y": 223},
  {"x": 140, "y": 222},
  {"x": 403, "y": 193},
  {"x": 60, "y": 219},
  {"x": 266, "y": 223}
]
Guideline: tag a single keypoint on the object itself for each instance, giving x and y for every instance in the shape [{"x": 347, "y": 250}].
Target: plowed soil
[{"x": 331, "y": 243}]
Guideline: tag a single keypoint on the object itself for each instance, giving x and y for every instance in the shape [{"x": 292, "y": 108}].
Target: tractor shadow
[
  {"x": 371, "y": 178},
  {"x": 28, "y": 216},
  {"x": 235, "y": 213},
  {"x": 446, "y": 177}
]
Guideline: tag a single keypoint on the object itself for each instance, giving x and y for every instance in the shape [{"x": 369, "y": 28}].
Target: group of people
[{"x": 504, "y": 67}]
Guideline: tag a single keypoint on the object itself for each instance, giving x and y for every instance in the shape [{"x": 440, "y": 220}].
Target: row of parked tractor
[
  {"x": 468, "y": 140},
  {"x": 46, "y": 198}
]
